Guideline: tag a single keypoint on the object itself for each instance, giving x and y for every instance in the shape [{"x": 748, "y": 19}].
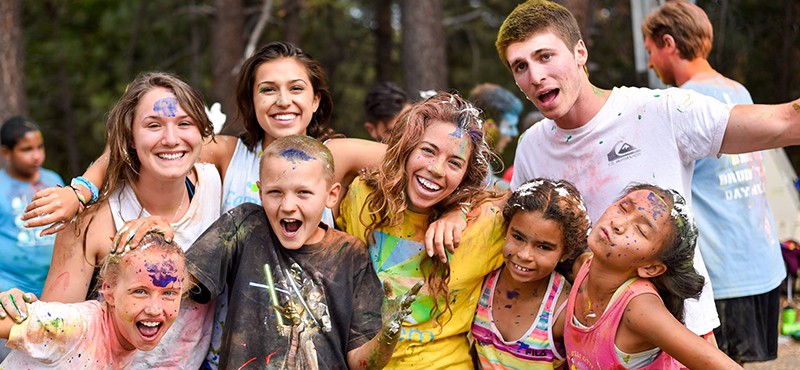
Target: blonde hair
[
  {"x": 686, "y": 23},
  {"x": 532, "y": 17},
  {"x": 303, "y": 148}
]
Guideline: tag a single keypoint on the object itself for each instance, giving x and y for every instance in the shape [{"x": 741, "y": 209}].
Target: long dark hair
[{"x": 318, "y": 127}]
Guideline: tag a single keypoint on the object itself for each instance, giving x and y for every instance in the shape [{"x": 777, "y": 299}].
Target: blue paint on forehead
[
  {"x": 167, "y": 107},
  {"x": 293, "y": 155}
]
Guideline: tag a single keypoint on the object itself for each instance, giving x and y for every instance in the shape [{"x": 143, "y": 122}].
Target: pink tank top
[{"x": 593, "y": 347}]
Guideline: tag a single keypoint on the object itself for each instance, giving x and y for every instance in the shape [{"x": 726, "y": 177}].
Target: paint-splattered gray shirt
[{"x": 328, "y": 295}]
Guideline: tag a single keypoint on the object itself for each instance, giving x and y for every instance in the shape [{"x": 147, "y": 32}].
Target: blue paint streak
[
  {"x": 167, "y": 107},
  {"x": 293, "y": 155}
]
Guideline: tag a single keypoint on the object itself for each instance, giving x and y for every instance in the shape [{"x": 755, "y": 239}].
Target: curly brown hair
[
  {"x": 388, "y": 199},
  {"x": 559, "y": 201}
]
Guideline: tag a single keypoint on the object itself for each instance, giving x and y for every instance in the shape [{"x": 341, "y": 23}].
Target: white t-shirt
[
  {"x": 64, "y": 336},
  {"x": 638, "y": 136},
  {"x": 185, "y": 344}
]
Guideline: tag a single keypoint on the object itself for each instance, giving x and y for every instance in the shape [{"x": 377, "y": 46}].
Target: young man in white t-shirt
[{"x": 603, "y": 140}]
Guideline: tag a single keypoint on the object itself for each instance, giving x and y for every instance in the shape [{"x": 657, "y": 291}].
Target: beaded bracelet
[
  {"x": 80, "y": 180},
  {"x": 81, "y": 200}
]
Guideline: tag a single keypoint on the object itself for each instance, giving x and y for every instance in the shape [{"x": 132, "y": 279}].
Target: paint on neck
[
  {"x": 166, "y": 107},
  {"x": 295, "y": 155},
  {"x": 162, "y": 273}
]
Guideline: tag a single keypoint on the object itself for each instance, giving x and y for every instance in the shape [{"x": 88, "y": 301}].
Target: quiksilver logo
[{"x": 622, "y": 151}]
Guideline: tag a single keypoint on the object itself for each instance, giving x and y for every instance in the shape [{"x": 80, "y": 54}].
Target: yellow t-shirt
[{"x": 396, "y": 256}]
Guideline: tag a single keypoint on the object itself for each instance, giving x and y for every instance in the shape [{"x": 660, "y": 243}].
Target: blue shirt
[
  {"x": 737, "y": 230},
  {"x": 25, "y": 255}
]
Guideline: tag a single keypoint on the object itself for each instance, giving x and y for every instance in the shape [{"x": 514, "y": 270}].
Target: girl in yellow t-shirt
[{"x": 436, "y": 161}]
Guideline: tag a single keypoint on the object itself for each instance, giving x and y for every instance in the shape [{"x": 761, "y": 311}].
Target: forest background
[{"x": 65, "y": 63}]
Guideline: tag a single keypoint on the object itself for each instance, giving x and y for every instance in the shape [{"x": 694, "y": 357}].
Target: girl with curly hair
[
  {"x": 519, "y": 322},
  {"x": 436, "y": 161},
  {"x": 626, "y": 310}
]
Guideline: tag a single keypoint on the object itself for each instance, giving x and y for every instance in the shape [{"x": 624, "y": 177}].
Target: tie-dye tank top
[{"x": 535, "y": 349}]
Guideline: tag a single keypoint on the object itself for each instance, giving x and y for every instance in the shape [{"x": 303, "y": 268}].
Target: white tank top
[
  {"x": 239, "y": 185},
  {"x": 185, "y": 345}
]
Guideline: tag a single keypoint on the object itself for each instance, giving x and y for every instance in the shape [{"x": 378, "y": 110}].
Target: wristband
[
  {"x": 81, "y": 200},
  {"x": 80, "y": 180}
]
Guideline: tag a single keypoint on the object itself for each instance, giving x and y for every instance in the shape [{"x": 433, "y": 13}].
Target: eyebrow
[
  {"x": 154, "y": 116},
  {"x": 275, "y": 83},
  {"x": 527, "y": 237},
  {"x": 643, "y": 216}
]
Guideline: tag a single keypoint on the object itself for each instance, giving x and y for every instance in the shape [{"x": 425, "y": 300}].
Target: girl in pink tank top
[
  {"x": 519, "y": 322},
  {"x": 627, "y": 306}
]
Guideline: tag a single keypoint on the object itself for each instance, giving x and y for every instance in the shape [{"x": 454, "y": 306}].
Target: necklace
[
  {"x": 589, "y": 313},
  {"x": 172, "y": 219}
]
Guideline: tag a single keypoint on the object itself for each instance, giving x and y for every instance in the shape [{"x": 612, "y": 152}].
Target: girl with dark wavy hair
[
  {"x": 626, "y": 307},
  {"x": 519, "y": 322},
  {"x": 435, "y": 163}
]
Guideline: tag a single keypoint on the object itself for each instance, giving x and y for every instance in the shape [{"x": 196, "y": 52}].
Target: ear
[
  {"x": 258, "y": 185},
  {"x": 108, "y": 294},
  {"x": 333, "y": 195},
  {"x": 581, "y": 53},
  {"x": 652, "y": 270},
  {"x": 6, "y": 154},
  {"x": 371, "y": 129},
  {"x": 669, "y": 43},
  {"x": 315, "y": 103}
]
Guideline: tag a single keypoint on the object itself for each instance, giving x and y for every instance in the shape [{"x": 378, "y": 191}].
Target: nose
[
  {"x": 152, "y": 308},
  {"x": 525, "y": 253},
  {"x": 170, "y": 135},
  {"x": 281, "y": 101},
  {"x": 288, "y": 204},
  {"x": 536, "y": 75},
  {"x": 436, "y": 167},
  {"x": 618, "y": 225}
]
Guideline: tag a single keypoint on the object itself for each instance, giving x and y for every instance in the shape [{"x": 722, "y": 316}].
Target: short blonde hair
[
  {"x": 686, "y": 23},
  {"x": 300, "y": 147}
]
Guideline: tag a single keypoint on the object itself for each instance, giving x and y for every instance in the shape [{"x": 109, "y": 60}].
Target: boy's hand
[
  {"x": 56, "y": 206},
  {"x": 13, "y": 304},
  {"x": 445, "y": 233},
  {"x": 132, "y": 233},
  {"x": 395, "y": 310}
]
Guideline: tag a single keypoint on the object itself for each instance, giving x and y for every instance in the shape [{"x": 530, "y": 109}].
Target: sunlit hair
[
  {"x": 532, "y": 17},
  {"x": 687, "y": 23},
  {"x": 14, "y": 129},
  {"x": 681, "y": 280},
  {"x": 123, "y": 162},
  {"x": 300, "y": 147},
  {"x": 318, "y": 127},
  {"x": 388, "y": 199},
  {"x": 558, "y": 201},
  {"x": 112, "y": 266}
]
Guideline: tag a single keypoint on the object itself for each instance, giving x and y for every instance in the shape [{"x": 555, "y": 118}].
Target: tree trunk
[
  {"x": 291, "y": 23},
  {"x": 384, "y": 43},
  {"x": 787, "y": 51},
  {"x": 227, "y": 48},
  {"x": 424, "y": 58},
  {"x": 12, "y": 68}
]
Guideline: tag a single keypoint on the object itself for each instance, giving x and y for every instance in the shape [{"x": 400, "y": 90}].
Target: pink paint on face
[
  {"x": 141, "y": 308},
  {"x": 437, "y": 166}
]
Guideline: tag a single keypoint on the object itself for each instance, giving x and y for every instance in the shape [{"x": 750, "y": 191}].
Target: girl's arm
[
  {"x": 56, "y": 205},
  {"x": 351, "y": 156},
  {"x": 647, "y": 319},
  {"x": 73, "y": 261}
]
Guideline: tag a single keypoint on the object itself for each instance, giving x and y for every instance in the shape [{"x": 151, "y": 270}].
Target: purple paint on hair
[{"x": 162, "y": 273}]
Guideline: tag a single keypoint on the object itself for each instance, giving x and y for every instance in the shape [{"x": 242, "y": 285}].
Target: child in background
[
  {"x": 26, "y": 255},
  {"x": 304, "y": 295},
  {"x": 435, "y": 163},
  {"x": 142, "y": 292},
  {"x": 519, "y": 323},
  {"x": 626, "y": 309}
]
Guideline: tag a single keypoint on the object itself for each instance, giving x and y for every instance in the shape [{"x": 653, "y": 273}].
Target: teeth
[
  {"x": 151, "y": 324},
  {"x": 285, "y": 117},
  {"x": 428, "y": 184},
  {"x": 170, "y": 156},
  {"x": 518, "y": 267}
]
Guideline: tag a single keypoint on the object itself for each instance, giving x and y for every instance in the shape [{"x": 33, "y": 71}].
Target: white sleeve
[{"x": 699, "y": 123}]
